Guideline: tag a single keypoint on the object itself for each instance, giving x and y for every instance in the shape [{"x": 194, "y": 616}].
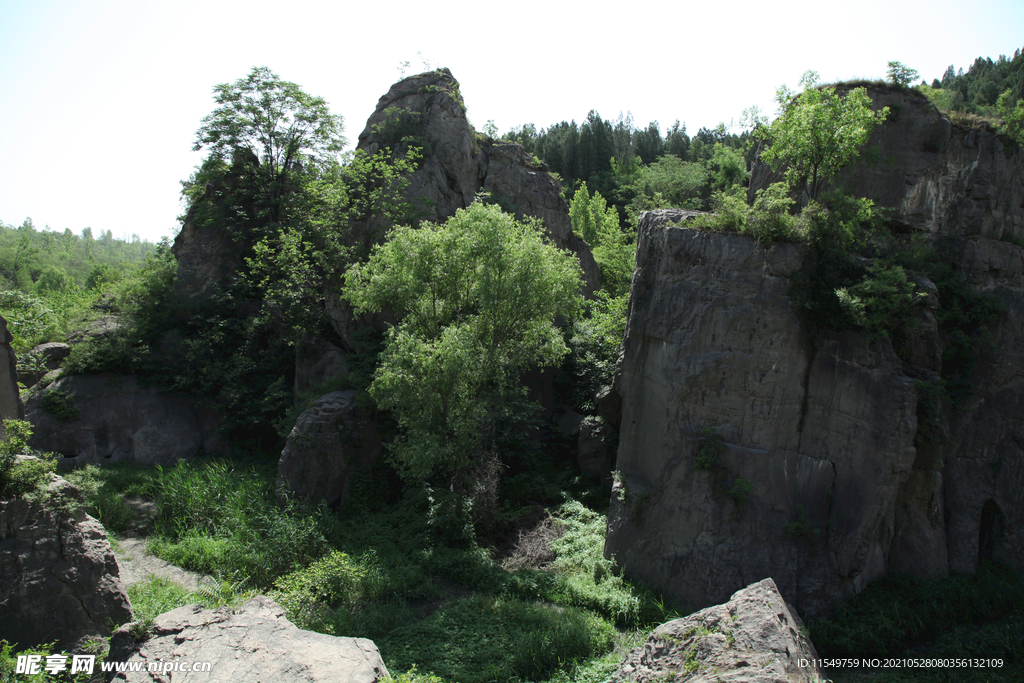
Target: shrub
[
  {"x": 709, "y": 451},
  {"x": 332, "y": 581},
  {"x": 60, "y": 404},
  {"x": 17, "y": 479},
  {"x": 769, "y": 219}
]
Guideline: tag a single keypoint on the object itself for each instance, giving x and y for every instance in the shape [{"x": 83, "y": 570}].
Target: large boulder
[
  {"x": 112, "y": 418},
  {"x": 59, "y": 580},
  {"x": 332, "y": 440},
  {"x": 254, "y": 643},
  {"x": 753, "y": 638}
]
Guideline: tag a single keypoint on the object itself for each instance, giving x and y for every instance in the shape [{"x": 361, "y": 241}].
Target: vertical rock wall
[
  {"x": 825, "y": 482},
  {"x": 820, "y": 435}
]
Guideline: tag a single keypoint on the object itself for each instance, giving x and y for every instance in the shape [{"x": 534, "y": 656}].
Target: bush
[
  {"x": 336, "y": 580},
  {"x": 60, "y": 404},
  {"x": 894, "y": 614},
  {"x": 18, "y": 479}
]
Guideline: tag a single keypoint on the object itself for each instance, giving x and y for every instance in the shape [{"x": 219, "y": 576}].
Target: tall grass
[
  {"x": 222, "y": 520},
  {"x": 895, "y": 614}
]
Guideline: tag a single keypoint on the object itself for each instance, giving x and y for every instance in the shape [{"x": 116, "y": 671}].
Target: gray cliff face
[
  {"x": 121, "y": 421},
  {"x": 458, "y": 163},
  {"x": 847, "y": 483},
  {"x": 713, "y": 341}
]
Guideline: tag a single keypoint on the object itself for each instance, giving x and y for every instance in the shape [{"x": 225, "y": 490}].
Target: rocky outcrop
[
  {"x": 44, "y": 359},
  {"x": 816, "y": 443},
  {"x": 331, "y": 441},
  {"x": 210, "y": 247},
  {"x": 753, "y": 638},
  {"x": 254, "y": 642},
  {"x": 459, "y": 162},
  {"x": 10, "y": 400},
  {"x": 112, "y": 418},
  {"x": 839, "y": 463},
  {"x": 941, "y": 177},
  {"x": 59, "y": 580}
]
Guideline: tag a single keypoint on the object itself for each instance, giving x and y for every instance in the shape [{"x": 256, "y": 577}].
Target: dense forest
[{"x": 443, "y": 324}]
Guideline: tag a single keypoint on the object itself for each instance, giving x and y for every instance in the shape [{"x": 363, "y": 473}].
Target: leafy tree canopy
[
  {"x": 478, "y": 297},
  {"x": 274, "y": 120},
  {"x": 901, "y": 74},
  {"x": 817, "y": 132}
]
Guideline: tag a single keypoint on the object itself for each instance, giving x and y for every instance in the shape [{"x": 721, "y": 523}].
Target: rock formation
[
  {"x": 331, "y": 441},
  {"x": 59, "y": 580},
  {"x": 940, "y": 177},
  {"x": 459, "y": 162},
  {"x": 254, "y": 642},
  {"x": 47, "y": 358},
  {"x": 826, "y": 478},
  {"x": 10, "y": 400},
  {"x": 111, "y": 418},
  {"x": 753, "y": 638}
]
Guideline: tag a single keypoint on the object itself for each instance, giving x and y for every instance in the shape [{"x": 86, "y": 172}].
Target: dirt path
[{"x": 137, "y": 565}]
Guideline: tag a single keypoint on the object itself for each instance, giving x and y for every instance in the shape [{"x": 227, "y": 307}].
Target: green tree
[
  {"x": 273, "y": 119},
  {"x": 901, "y": 74},
  {"x": 477, "y": 298},
  {"x": 1012, "y": 113},
  {"x": 273, "y": 123},
  {"x": 817, "y": 132},
  {"x": 598, "y": 224}
]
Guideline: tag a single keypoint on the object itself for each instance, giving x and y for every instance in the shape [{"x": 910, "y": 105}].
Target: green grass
[
  {"x": 378, "y": 571},
  {"x": 957, "y": 617},
  {"x": 107, "y": 488}
]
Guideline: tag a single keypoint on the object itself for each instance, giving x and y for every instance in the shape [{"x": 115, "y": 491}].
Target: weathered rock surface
[
  {"x": 59, "y": 580},
  {"x": 983, "y": 465},
  {"x": 48, "y": 357},
  {"x": 593, "y": 451},
  {"x": 459, "y": 163},
  {"x": 253, "y": 643},
  {"x": 753, "y": 638},
  {"x": 119, "y": 420},
  {"x": 10, "y": 400},
  {"x": 210, "y": 253},
  {"x": 839, "y": 464},
  {"x": 941, "y": 177},
  {"x": 331, "y": 441},
  {"x": 714, "y": 342}
]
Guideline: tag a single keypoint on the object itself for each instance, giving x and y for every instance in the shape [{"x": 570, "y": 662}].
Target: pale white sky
[{"x": 101, "y": 99}]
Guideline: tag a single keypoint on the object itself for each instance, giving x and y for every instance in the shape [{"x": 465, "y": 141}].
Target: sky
[{"x": 101, "y": 100}]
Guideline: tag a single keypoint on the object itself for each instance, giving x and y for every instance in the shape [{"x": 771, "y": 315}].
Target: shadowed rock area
[{"x": 111, "y": 418}]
